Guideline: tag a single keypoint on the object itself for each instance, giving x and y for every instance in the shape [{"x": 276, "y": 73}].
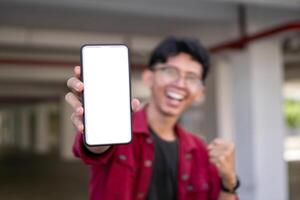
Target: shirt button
[
  {"x": 149, "y": 140},
  {"x": 122, "y": 157},
  {"x": 184, "y": 177},
  {"x": 205, "y": 186},
  {"x": 148, "y": 163},
  {"x": 188, "y": 156},
  {"x": 190, "y": 188},
  {"x": 140, "y": 195}
]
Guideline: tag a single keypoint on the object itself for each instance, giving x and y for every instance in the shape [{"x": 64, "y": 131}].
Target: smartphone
[{"x": 106, "y": 99}]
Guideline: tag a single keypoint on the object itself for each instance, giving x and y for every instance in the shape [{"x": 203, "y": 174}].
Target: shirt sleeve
[
  {"x": 89, "y": 158},
  {"x": 215, "y": 182}
]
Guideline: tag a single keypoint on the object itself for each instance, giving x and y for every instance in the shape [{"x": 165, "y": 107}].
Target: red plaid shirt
[{"x": 124, "y": 171}]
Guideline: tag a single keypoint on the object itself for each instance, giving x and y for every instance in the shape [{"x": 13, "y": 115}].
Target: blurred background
[{"x": 252, "y": 95}]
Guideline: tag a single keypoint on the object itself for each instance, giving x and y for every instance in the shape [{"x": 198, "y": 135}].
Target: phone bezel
[{"x": 82, "y": 96}]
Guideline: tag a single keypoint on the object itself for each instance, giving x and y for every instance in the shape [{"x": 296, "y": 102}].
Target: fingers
[
  {"x": 76, "y": 116},
  {"x": 75, "y": 103},
  {"x": 135, "y": 104},
  {"x": 221, "y": 144},
  {"x": 219, "y": 161},
  {"x": 216, "y": 142},
  {"x": 75, "y": 85},
  {"x": 72, "y": 98},
  {"x": 77, "y": 122},
  {"x": 77, "y": 71},
  {"x": 221, "y": 152}
]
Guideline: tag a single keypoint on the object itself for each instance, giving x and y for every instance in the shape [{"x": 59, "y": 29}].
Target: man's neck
[{"x": 161, "y": 124}]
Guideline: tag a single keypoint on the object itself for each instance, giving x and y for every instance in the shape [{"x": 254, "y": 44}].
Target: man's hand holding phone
[{"x": 73, "y": 98}]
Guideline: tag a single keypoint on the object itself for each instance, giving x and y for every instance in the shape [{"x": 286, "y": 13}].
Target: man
[{"x": 163, "y": 161}]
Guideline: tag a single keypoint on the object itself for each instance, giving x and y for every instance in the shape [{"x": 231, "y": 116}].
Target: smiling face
[{"x": 171, "y": 96}]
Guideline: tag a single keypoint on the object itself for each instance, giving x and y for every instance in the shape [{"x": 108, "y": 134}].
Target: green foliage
[{"x": 292, "y": 113}]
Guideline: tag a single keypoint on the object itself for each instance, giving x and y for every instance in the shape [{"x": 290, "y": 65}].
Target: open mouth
[{"x": 174, "y": 95}]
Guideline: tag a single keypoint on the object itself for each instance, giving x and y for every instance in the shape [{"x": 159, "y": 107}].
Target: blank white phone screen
[{"x": 106, "y": 96}]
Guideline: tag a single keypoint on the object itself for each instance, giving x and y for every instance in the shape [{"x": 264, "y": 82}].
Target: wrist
[
  {"x": 230, "y": 185},
  {"x": 229, "y": 181}
]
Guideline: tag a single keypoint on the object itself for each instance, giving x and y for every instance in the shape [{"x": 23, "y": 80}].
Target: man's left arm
[{"x": 222, "y": 155}]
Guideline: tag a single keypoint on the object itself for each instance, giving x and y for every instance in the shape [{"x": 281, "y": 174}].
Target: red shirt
[{"x": 124, "y": 171}]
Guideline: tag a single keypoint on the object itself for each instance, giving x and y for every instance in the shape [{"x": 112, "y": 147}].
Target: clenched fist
[{"x": 222, "y": 154}]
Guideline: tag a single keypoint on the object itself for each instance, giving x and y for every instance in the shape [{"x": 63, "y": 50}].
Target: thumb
[{"x": 135, "y": 104}]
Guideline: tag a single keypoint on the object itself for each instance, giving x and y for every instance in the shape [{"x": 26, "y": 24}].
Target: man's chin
[{"x": 172, "y": 112}]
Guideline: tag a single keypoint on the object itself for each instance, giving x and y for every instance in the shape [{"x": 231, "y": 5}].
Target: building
[{"x": 255, "y": 49}]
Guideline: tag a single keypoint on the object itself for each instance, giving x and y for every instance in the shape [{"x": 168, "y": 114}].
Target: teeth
[{"x": 174, "y": 95}]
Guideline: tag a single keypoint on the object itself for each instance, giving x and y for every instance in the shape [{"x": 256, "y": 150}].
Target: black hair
[{"x": 172, "y": 46}]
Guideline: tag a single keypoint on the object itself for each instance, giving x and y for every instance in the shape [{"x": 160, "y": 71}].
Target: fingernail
[
  {"x": 78, "y": 110},
  {"x": 78, "y": 86}
]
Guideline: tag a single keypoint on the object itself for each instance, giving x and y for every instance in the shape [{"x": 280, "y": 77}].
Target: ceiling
[{"x": 147, "y": 17}]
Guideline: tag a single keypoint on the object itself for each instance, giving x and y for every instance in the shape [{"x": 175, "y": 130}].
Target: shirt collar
[
  {"x": 140, "y": 126},
  {"x": 187, "y": 142}
]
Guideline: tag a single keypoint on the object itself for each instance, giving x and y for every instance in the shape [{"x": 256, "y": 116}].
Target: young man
[{"x": 163, "y": 161}]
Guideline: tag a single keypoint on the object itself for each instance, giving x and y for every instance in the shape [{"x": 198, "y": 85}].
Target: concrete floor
[{"x": 31, "y": 177}]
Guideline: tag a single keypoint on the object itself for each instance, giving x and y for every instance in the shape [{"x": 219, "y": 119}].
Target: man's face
[{"x": 176, "y": 84}]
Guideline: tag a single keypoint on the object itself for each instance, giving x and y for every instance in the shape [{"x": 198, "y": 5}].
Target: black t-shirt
[{"x": 163, "y": 184}]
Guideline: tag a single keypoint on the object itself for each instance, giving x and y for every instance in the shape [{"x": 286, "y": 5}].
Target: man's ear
[{"x": 147, "y": 77}]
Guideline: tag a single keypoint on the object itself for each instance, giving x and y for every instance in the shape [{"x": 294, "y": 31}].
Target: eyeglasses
[{"x": 192, "y": 80}]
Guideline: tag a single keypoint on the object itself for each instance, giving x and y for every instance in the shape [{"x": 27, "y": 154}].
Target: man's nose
[{"x": 180, "y": 81}]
